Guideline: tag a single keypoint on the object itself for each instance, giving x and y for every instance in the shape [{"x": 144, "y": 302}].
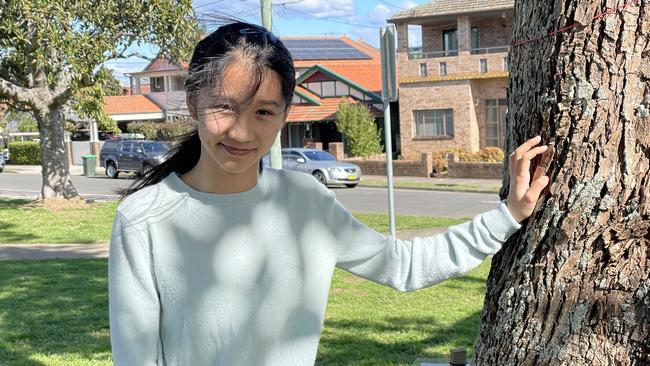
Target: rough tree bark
[{"x": 573, "y": 287}]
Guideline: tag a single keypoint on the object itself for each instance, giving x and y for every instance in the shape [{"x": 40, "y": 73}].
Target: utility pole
[{"x": 275, "y": 154}]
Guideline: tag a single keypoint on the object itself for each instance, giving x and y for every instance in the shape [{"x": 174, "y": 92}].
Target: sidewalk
[
  {"x": 36, "y": 169},
  {"x": 94, "y": 251}
]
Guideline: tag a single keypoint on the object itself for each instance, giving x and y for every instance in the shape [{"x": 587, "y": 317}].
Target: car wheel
[
  {"x": 350, "y": 185},
  {"x": 320, "y": 177},
  {"x": 111, "y": 171},
  {"x": 145, "y": 169}
]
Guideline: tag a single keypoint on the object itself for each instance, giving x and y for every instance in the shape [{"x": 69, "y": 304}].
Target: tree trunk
[
  {"x": 57, "y": 182},
  {"x": 573, "y": 286}
]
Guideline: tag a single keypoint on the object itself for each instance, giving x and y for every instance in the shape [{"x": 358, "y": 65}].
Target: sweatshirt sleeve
[
  {"x": 134, "y": 307},
  {"x": 408, "y": 265}
]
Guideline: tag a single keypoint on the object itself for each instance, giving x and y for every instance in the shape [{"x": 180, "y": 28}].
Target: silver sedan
[{"x": 322, "y": 165}]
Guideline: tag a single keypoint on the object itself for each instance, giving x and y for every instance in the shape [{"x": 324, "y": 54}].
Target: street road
[{"x": 409, "y": 202}]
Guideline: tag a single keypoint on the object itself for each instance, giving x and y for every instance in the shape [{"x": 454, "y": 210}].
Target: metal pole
[
  {"x": 389, "y": 167},
  {"x": 275, "y": 154},
  {"x": 388, "y": 40}
]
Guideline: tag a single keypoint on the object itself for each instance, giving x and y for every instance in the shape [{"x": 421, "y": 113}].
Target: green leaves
[
  {"x": 358, "y": 125},
  {"x": 79, "y": 36}
]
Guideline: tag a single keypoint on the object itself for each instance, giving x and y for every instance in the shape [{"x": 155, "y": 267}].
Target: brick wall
[
  {"x": 456, "y": 95},
  {"x": 413, "y": 168},
  {"x": 466, "y": 169}
]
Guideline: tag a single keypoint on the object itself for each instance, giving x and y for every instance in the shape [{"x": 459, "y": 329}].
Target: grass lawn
[
  {"x": 55, "y": 312},
  {"x": 460, "y": 187},
  {"x": 69, "y": 226},
  {"x": 93, "y": 225}
]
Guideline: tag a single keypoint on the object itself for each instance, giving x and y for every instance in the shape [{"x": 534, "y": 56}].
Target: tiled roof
[
  {"x": 453, "y": 7},
  {"x": 129, "y": 104},
  {"x": 324, "y": 112},
  {"x": 306, "y": 92},
  {"x": 367, "y": 76},
  {"x": 162, "y": 64}
]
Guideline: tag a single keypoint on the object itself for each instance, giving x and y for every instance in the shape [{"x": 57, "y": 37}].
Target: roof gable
[
  {"x": 322, "y": 69},
  {"x": 453, "y": 7}
]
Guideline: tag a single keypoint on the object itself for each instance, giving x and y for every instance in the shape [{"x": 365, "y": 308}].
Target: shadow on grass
[
  {"x": 10, "y": 233},
  {"x": 53, "y": 307},
  {"x": 344, "y": 346},
  {"x": 12, "y": 203}
]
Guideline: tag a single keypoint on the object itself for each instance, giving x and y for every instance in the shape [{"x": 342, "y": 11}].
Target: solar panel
[{"x": 323, "y": 49}]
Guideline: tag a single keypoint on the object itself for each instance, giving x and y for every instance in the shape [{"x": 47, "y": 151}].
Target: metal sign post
[
  {"x": 388, "y": 41},
  {"x": 275, "y": 154}
]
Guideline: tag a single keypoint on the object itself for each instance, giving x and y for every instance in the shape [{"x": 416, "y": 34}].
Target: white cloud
[
  {"x": 409, "y": 4},
  {"x": 324, "y": 8},
  {"x": 379, "y": 14},
  {"x": 123, "y": 66}
]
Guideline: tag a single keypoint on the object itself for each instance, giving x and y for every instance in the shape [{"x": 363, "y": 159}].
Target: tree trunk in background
[
  {"x": 573, "y": 287},
  {"x": 57, "y": 182}
]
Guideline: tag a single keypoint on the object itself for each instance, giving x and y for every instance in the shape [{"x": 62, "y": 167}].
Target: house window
[
  {"x": 434, "y": 123},
  {"x": 158, "y": 84},
  {"x": 314, "y": 88},
  {"x": 495, "y": 122},
  {"x": 443, "y": 68},
  {"x": 506, "y": 64},
  {"x": 342, "y": 89},
  {"x": 298, "y": 100},
  {"x": 356, "y": 94},
  {"x": 484, "y": 65},
  {"x": 328, "y": 89},
  {"x": 423, "y": 69},
  {"x": 450, "y": 42},
  {"x": 475, "y": 44}
]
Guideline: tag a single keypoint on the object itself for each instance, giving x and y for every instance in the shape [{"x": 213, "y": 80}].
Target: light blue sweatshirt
[{"x": 243, "y": 279}]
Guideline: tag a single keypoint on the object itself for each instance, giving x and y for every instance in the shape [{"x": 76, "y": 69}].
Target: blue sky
[{"x": 355, "y": 18}]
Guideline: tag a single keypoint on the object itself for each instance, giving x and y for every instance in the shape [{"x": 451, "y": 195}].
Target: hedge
[
  {"x": 159, "y": 130},
  {"x": 487, "y": 155},
  {"x": 25, "y": 153}
]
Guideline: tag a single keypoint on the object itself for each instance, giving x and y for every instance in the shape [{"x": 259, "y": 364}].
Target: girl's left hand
[{"x": 523, "y": 194}]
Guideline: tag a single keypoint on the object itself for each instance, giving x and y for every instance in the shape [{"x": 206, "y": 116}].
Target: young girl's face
[{"x": 236, "y": 130}]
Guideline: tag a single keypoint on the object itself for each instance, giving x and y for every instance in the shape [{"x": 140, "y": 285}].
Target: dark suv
[{"x": 136, "y": 156}]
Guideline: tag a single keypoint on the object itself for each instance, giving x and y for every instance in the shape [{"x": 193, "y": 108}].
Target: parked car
[
  {"x": 136, "y": 156},
  {"x": 322, "y": 165},
  {"x": 5, "y": 155},
  {"x": 2, "y": 163}
]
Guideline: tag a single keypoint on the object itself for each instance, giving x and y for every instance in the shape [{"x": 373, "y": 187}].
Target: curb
[{"x": 433, "y": 189}]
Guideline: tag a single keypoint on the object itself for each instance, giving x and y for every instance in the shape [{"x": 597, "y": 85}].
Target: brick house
[
  {"x": 327, "y": 69},
  {"x": 452, "y": 89}
]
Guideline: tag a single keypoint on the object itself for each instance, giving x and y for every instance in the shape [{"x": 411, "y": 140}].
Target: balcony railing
[
  {"x": 421, "y": 55},
  {"x": 481, "y": 51},
  {"x": 417, "y": 55}
]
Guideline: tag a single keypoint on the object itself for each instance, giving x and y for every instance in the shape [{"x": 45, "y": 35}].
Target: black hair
[{"x": 232, "y": 42}]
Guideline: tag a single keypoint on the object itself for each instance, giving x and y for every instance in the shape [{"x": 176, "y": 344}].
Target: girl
[{"x": 214, "y": 262}]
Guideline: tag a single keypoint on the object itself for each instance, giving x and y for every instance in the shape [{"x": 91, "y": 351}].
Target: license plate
[{"x": 352, "y": 177}]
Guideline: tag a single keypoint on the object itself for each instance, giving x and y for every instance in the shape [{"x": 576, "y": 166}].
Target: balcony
[
  {"x": 472, "y": 45},
  {"x": 418, "y": 55}
]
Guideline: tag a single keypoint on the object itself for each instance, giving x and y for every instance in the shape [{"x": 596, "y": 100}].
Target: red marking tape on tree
[{"x": 608, "y": 11}]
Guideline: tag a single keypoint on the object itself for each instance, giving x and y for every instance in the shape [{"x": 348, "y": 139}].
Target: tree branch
[
  {"x": 15, "y": 93},
  {"x": 62, "y": 89}
]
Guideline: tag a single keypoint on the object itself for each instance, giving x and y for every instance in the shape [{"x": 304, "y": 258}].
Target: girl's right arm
[{"x": 134, "y": 306}]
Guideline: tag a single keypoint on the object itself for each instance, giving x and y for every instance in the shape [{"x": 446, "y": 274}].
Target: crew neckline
[{"x": 175, "y": 183}]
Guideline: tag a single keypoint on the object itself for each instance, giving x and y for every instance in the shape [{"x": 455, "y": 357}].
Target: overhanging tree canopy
[{"x": 49, "y": 50}]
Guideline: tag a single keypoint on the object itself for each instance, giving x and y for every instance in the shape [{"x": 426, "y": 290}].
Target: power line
[
  {"x": 394, "y": 6},
  {"x": 330, "y": 20}
]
